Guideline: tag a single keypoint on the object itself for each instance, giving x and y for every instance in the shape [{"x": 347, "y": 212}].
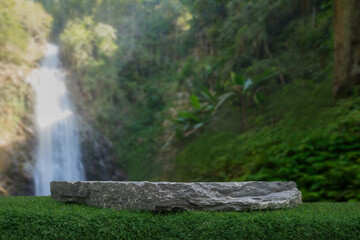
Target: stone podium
[{"x": 174, "y": 196}]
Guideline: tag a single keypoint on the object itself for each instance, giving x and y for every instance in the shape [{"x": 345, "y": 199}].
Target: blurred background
[{"x": 191, "y": 90}]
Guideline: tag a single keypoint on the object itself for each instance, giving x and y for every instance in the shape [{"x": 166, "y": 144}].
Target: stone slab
[{"x": 174, "y": 196}]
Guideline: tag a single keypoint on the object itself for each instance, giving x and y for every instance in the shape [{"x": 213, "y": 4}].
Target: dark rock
[{"x": 98, "y": 156}]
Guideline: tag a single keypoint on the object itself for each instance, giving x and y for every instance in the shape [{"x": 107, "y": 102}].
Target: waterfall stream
[{"x": 58, "y": 155}]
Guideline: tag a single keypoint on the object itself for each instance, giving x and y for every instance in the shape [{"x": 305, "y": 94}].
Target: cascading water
[{"x": 58, "y": 156}]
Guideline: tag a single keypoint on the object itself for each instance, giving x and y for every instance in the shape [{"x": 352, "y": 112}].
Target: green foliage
[
  {"x": 316, "y": 150},
  {"x": 285, "y": 50},
  {"x": 267, "y": 64},
  {"x": 192, "y": 120},
  {"x": 20, "y": 20},
  {"x": 13, "y": 103},
  {"x": 236, "y": 88},
  {"x": 13, "y": 38},
  {"x": 123, "y": 58},
  {"x": 86, "y": 43},
  {"x": 44, "y": 218}
]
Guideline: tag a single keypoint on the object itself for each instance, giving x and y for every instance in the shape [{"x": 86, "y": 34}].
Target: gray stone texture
[{"x": 171, "y": 196}]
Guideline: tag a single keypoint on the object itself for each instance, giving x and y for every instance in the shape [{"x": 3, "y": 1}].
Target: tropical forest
[
  {"x": 232, "y": 90},
  {"x": 181, "y": 91}
]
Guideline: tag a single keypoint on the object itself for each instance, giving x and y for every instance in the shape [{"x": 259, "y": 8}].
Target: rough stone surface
[
  {"x": 98, "y": 155},
  {"x": 170, "y": 196}
]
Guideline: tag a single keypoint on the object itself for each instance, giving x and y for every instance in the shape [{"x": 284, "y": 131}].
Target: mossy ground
[{"x": 44, "y": 218}]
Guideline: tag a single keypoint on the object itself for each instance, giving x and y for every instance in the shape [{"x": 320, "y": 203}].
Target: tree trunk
[
  {"x": 347, "y": 47},
  {"x": 306, "y": 7}
]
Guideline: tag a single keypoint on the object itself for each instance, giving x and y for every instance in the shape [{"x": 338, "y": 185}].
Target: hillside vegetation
[
  {"x": 231, "y": 90},
  {"x": 24, "y": 26}
]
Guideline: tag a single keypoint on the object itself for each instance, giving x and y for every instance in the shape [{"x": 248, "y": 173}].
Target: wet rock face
[
  {"x": 170, "y": 196},
  {"x": 98, "y": 157}
]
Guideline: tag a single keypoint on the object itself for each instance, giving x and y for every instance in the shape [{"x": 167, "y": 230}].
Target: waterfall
[{"x": 58, "y": 156}]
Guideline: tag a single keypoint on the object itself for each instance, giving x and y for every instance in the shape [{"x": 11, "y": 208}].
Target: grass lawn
[{"x": 44, "y": 218}]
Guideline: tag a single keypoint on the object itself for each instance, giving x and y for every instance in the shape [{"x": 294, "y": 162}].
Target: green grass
[{"x": 44, "y": 218}]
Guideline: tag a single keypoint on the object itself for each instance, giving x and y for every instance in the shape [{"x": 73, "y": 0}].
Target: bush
[
  {"x": 21, "y": 20},
  {"x": 13, "y": 37},
  {"x": 320, "y": 154}
]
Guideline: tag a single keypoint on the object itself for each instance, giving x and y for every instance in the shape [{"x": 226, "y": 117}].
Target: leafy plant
[{"x": 192, "y": 120}]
